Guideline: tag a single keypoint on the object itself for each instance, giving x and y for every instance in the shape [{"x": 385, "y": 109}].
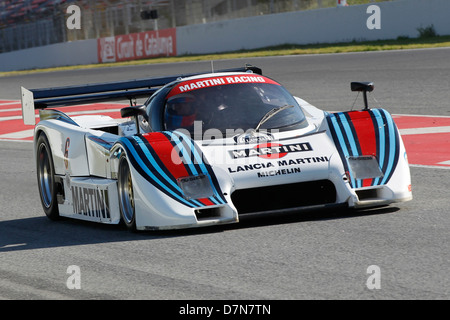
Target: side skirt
[{"x": 89, "y": 198}]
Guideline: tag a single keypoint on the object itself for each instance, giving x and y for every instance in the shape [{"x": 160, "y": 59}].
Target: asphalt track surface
[{"x": 323, "y": 255}]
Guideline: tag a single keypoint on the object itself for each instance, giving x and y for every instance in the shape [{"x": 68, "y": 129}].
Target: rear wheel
[
  {"x": 46, "y": 177},
  {"x": 126, "y": 195}
]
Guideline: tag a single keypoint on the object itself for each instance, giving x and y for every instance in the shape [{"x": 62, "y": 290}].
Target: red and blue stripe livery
[{"x": 367, "y": 132}]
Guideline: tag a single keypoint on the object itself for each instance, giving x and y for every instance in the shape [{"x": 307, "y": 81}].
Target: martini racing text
[
  {"x": 90, "y": 202},
  {"x": 271, "y": 149}
]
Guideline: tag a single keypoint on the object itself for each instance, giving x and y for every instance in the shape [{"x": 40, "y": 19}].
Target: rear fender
[{"x": 67, "y": 143}]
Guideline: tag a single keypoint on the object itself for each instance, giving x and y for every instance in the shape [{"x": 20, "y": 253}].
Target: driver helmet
[{"x": 180, "y": 111}]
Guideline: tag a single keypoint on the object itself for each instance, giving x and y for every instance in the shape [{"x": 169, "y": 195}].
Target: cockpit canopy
[{"x": 231, "y": 102}]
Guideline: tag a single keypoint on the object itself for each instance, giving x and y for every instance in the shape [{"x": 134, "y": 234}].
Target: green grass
[{"x": 287, "y": 49}]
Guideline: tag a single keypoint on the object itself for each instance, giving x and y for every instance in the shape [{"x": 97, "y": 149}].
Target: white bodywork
[{"x": 86, "y": 159}]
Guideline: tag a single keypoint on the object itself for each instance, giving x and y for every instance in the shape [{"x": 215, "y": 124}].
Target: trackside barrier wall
[
  {"x": 328, "y": 25},
  {"x": 54, "y": 55}
]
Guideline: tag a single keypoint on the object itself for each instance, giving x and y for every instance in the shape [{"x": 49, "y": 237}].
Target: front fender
[{"x": 158, "y": 160}]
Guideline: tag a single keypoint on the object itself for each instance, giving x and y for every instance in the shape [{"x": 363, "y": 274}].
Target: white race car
[{"x": 207, "y": 148}]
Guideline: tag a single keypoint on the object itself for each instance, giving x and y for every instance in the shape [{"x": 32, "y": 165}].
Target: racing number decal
[{"x": 66, "y": 153}]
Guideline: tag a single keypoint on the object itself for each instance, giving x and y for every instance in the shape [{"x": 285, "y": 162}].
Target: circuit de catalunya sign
[{"x": 134, "y": 46}]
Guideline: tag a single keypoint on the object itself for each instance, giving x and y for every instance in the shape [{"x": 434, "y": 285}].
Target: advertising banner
[{"x": 148, "y": 44}]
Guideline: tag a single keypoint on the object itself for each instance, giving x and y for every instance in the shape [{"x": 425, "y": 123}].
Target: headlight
[
  {"x": 364, "y": 167},
  {"x": 195, "y": 187}
]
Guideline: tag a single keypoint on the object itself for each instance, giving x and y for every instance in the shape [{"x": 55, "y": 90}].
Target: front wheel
[
  {"x": 126, "y": 196},
  {"x": 46, "y": 177}
]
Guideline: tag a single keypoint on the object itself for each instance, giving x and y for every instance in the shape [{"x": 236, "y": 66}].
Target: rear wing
[{"x": 33, "y": 99}]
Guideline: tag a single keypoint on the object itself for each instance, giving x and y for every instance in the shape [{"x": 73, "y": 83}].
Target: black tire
[
  {"x": 46, "y": 178},
  {"x": 126, "y": 195}
]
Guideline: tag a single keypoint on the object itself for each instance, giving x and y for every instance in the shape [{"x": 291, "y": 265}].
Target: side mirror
[
  {"x": 364, "y": 87},
  {"x": 134, "y": 111}
]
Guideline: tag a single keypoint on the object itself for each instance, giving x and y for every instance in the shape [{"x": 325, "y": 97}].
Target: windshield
[{"x": 231, "y": 103}]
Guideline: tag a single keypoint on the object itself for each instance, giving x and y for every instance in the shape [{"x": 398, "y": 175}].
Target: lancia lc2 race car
[{"x": 207, "y": 148}]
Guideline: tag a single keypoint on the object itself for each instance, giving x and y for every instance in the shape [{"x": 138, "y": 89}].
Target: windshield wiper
[{"x": 270, "y": 114}]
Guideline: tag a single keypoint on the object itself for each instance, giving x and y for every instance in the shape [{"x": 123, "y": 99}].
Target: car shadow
[
  {"x": 270, "y": 219},
  {"x": 40, "y": 232}
]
